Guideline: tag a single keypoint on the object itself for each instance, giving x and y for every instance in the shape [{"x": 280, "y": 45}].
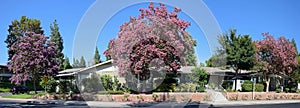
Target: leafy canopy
[
  {"x": 156, "y": 33},
  {"x": 35, "y": 56}
]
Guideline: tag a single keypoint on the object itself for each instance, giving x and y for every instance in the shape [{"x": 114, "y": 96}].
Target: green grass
[
  {"x": 4, "y": 90},
  {"x": 20, "y": 96},
  {"x": 24, "y": 96}
]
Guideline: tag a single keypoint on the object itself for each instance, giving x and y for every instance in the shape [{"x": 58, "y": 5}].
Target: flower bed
[
  {"x": 155, "y": 97},
  {"x": 76, "y": 97},
  {"x": 237, "y": 96}
]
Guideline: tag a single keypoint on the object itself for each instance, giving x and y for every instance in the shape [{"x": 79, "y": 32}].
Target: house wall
[{"x": 4, "y": 73}]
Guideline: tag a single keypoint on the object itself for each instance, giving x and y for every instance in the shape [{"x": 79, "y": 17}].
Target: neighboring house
[
  {"x": 5, "y": 74},
  {"x": 216, "y": 76}
]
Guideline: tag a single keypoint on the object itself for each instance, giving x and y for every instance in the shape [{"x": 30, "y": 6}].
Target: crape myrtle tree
[
  {"x": 276, "y": 56},
  {"x": 34, "y": 57},
  {"x": 17, "y": 29},
  {"x": 155, "y": 36},
  {"x": 240, "y": 51}
]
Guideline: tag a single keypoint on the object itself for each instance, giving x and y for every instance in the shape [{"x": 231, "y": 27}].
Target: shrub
[
  {"x": 91, "y": 84},
  {"x": 198, "y": 76},
  {"x": 107, "y": 82},
  {"x": 63, "y": 86},
  {"x": 201, "y": 89},
  {"x": 110, "y": 92},
  {"x": 259, "y": 87},
  {"x": 49, "y": 84},
  {"x": 287, "y": 90},
  {"x": 248, "y": 82},
  {"x": 188, "y": 87},
  {"x": 247, "y": 87},
  {"x": 167, "y": 85},
  {"x": 278, "y": 90},
  {"x": 227, "y": 85}
]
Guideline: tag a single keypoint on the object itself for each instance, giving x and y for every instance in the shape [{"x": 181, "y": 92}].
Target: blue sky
[{"x": 279, "y": 17}]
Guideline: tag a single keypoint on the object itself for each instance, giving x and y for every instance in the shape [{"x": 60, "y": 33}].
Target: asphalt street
[{"x": 27, "y": 103}]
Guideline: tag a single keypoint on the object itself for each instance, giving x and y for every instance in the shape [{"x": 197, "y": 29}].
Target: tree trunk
[
  {"x": 34, "y": 82},
  {"x": 34, "y": 87},
  {"x": 267, "y": 84},
  {"x": 235, "y": 81}
]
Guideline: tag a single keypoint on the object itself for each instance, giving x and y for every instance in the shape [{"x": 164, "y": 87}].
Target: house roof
[
  {"x": 68, "y": 72},
  {"x": 94, "y": 66}
]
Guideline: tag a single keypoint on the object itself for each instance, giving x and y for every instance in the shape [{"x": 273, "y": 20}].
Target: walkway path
[{"x": 217, "y": 96}]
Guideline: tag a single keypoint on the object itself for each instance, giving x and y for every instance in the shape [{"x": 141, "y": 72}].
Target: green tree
[
  {"x": 97, "y": 56},
  {"x": 67, "y": 64},
  {"x": 219, "y": 58},
  {"x": 199, "y": 76},
  {"x": 49, "y": 84},
  {"x": 191, "y": 59},
  {"x": 17, "y": 29},
  {"x": 75, "y": 63},
  {"x": 107, "y": 56},
  {"x": 295, "y": 45},
  {"x": 240, "y": 51},
  {"x": 216, "y": 61},
  {"x": 57, "y": 39},
  {"x": 82, "y": 63}
]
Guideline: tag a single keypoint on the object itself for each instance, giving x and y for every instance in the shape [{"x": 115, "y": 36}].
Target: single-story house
[
  {"x": 5, "y": 74},
  {"x": 216, "y": 76}
]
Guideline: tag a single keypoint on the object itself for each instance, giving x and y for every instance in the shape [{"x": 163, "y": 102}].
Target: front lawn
[
  {"x": 20, "y": 96},
  {"x": 24, "y": 96},
  {"x": 4, "y": 90}
]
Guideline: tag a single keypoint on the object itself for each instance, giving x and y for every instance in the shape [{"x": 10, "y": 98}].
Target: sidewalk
[
  {"x": 131, "y": 104},
  {"x": 254, "y": 102}
]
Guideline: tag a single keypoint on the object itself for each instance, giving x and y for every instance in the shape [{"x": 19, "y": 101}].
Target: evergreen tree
[
  {"x": 57, "y": 39},
  {"x": 97, "y": 56},
  {"x": 295, "y": 45},
  {"x": 67, "y": 64},
  {"x": 240, "y": 51},
  {"x": 17, "y": 29},
  {"x": 82, "y": 63},
  {"x": 75, "y": 63},
  {"x": 191, "y": 59}
]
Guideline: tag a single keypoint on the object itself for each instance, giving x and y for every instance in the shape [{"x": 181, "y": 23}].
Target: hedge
[{"x": 248, "y": 87}]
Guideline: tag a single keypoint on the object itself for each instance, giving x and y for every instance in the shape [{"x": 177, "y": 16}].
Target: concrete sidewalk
[
  {"x": 145, "y": 104},
  {"x": 254, "y": 102}
]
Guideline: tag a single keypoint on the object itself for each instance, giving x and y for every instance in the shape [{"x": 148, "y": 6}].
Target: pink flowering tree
[
  {"x": 35, "y": 56},
  {"x": 276, "y": 56},
  {"x": 156, "y": 37}
]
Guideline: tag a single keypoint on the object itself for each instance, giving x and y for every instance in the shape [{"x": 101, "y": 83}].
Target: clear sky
[{"x": 279, "y": 17}]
